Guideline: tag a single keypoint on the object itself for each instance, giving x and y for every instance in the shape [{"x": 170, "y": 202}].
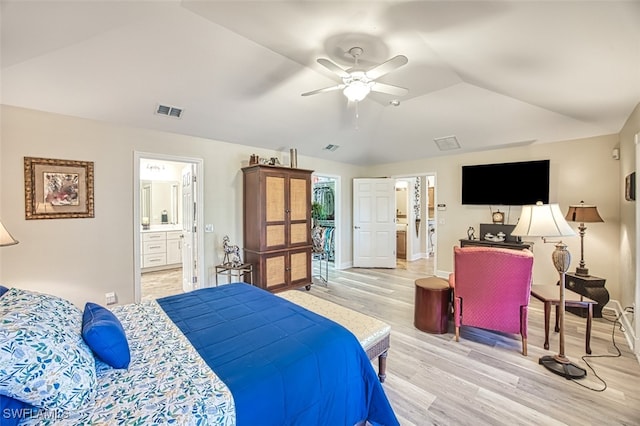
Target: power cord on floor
[{"x": 616, "y": 322}]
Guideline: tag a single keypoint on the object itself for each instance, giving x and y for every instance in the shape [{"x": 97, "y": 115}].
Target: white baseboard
[{"x": 628, "y": 330}]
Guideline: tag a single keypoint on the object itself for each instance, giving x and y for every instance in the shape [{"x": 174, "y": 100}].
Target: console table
[
  {"x": 588, "y": 286},
  {"x": 241, "y": 272},
  {"x": 502, "y": 244}
]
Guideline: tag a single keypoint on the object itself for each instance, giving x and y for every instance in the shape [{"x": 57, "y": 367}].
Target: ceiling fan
[{"x": 357, "y": 83}]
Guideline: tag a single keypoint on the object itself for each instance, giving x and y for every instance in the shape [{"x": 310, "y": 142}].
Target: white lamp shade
[
  {"x": 5, "y": 238},
  {"x": 357, "y": 91},
  {"x": 542, "y": 220}
]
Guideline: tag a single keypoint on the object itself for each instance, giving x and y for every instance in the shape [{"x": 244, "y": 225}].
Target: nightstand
[{"x": 591, "y": 287}]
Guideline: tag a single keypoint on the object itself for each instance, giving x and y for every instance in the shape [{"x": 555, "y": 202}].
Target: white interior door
[
  {"x": 374, "y": 225},
  {"x": 189, "y": 229}
]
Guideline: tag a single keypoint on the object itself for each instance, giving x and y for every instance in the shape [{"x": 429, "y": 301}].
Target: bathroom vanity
[{"x": 161, "y": 248}]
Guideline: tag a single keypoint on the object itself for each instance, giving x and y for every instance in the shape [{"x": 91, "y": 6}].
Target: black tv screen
[{"x": 509, "y": 184}]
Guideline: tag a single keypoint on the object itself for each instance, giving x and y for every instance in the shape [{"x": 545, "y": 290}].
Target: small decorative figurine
[
  {"x": 231, "y": 253},
  {"x": 471, "y": 233}
]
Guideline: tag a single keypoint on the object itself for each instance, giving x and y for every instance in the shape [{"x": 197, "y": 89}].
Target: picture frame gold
[{"x": 58, "y": 189}]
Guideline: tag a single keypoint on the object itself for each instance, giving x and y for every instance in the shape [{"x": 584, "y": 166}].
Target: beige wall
[
  {"x": 580, "y": 170},
  {"x": 82, "y": 259}
]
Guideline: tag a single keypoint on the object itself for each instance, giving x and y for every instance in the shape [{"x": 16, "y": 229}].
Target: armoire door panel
[
  {"x": 275, "y": 199},
  {"x": 275, "y": 271},
  {"x": 299, "y": 233},
  {"x": 275, "y": 236},
  {"x": 299, "y": 199},
  {"x": 299, "y": 265}
]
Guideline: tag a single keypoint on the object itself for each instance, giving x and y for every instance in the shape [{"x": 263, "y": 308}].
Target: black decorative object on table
[
  {"x": 471, "y": 233},
  {"x": 591, "y": 287},
  {"x": 504, "y": 244}
]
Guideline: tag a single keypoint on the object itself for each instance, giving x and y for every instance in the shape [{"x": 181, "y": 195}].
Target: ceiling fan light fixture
[{"x": 357, "y": 90}]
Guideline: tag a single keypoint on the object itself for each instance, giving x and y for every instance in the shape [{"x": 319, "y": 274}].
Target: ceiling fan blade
[
  {"x": 386, "y": 67},
  {"x": 333, "y": 68},
  {"x": 326, "y": 89},
  {"x": 389, "y": 89}
]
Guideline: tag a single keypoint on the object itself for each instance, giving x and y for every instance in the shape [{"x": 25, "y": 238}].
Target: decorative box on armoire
[{"x": 277, "y": 226}]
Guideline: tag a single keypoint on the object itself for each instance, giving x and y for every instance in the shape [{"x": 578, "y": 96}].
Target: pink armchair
[{"x": 491, "y": 288}]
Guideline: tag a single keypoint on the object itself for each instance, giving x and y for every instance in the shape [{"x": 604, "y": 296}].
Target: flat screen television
[{"x": 509, "y": 184}]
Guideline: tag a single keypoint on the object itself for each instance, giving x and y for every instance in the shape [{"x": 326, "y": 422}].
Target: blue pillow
[
  {"x": 3, "y": 290},
  {"x": 13, "y": 410},
  {"x": 104, "y": 334}
]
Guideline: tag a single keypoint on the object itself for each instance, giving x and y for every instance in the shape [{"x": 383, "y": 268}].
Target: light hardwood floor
[{"x": 484, "y": 379}]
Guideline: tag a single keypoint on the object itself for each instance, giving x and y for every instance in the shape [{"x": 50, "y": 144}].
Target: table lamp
[
  {"x": 583, "y": 213},
  {"x": 5, "y": 237},
  {"x": 546, "y": 220}
]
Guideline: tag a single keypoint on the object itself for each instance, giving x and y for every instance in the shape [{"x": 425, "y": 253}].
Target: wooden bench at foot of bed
[{"x": 372, "y": 334}]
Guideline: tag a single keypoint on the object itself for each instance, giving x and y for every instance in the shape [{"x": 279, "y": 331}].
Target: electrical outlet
[{"x": 110, "y": 298}]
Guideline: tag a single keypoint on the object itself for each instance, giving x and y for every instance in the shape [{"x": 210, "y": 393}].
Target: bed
[{"x": 229, "y": 355}]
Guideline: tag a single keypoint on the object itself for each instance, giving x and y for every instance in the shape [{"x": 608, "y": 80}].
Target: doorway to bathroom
[
  {"x": 416, "y": 228},
  {"x": 168, "y": 210}
]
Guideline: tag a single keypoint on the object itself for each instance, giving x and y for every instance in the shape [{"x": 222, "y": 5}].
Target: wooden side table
[
  {"x": 589, "y": 286},
  {"x": 432, "y": 302},
  {"x": 550, "y": 295},
  {"x": 235, "y": 271}
]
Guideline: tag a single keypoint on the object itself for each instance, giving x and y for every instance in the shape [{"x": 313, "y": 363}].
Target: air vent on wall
[
  {"x": 447, "y": 143},
  {"x": 331, "y": 147},
  {"x": 169, "y": 111}
]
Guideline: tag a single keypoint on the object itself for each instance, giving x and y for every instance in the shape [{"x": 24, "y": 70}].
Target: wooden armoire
[{"x": 277, "y": 226}]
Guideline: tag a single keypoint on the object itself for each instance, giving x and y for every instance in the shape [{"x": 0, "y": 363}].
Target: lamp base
[
  {"x": 583, "y": 272},
  {"x": 562, "y": 367}
]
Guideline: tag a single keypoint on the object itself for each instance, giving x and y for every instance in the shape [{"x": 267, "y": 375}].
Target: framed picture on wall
[
  {"x": 630, "y": 187},
  {"x": 58, "y": 189}
]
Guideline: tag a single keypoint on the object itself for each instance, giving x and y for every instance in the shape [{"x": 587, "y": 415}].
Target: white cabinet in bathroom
[
  {"x": 161, "y": 249},
  {"x": 174, "y": 247}
]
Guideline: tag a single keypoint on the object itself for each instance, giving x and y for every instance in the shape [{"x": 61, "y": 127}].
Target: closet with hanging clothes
[{"x": 324, "y": 217}]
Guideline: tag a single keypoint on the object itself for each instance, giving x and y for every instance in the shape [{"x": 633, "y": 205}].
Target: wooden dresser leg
[{"x": 382, "y": 366}]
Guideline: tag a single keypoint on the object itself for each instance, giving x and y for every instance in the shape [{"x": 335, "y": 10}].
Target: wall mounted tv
[{"x": 509, "y": 184}]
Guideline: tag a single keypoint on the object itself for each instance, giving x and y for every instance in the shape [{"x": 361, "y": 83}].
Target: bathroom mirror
[{"x": 159, "y": 202}]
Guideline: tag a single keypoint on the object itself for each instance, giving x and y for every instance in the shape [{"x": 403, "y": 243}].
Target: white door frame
[{"x": 137, "y": 156}]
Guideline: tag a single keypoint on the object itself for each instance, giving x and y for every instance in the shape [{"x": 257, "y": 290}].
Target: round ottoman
[{"x": 431, "y": 313}]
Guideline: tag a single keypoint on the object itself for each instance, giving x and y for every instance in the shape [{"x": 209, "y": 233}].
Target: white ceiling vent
[
  {"x": 331, "y": 147},
  {"x": 169, "y": 111},
  {"x": 447, "y": 143}
]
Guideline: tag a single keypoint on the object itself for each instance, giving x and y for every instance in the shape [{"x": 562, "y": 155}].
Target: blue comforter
[{"x": 284, "y": 364}]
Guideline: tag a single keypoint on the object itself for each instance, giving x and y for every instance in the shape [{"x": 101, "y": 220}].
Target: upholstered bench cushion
[{"x": 367, "y": 330}]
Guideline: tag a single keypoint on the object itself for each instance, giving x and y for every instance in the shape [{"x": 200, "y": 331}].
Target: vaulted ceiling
[{"x": 492, "y": 74}]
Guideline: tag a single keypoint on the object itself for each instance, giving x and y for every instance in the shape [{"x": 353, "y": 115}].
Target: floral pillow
[{"x": 43, "y": 358}]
